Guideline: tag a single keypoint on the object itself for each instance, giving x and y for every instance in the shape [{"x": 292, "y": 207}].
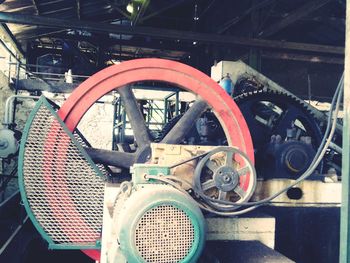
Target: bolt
[{"x": 227, "y": 178}]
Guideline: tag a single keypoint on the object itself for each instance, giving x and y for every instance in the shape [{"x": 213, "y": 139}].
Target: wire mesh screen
[
  {"x": 164, "y": 234},
  {"x": 63, "y": 188}
]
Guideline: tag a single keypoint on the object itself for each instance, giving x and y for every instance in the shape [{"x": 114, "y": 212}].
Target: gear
[
  {"x": 280, "y": 127},
  {"x": 282, "y": 109}
]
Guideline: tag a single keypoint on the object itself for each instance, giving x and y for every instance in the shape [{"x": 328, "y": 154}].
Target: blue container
[{"x": 226, "y": 84}]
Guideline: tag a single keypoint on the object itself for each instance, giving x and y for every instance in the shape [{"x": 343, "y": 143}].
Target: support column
[{"x": 345, "y": 211}]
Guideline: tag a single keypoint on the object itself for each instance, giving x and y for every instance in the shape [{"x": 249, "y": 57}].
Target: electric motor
[{"x": 156, "y": 223}]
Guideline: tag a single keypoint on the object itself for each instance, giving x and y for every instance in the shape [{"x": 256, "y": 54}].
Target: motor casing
[{"x": 156, "y": 223}]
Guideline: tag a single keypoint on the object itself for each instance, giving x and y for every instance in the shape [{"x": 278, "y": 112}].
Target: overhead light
[{"x": 130, "y": 8}]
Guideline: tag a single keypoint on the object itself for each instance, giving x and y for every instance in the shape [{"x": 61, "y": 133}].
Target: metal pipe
[
  {"x": 18, "y": 68},
  {"x": 37, "y": 66},
  {"x": 58, "y": 74},
  {"x": 336, "y": 147},
  {"x": 9, "y": 104}
]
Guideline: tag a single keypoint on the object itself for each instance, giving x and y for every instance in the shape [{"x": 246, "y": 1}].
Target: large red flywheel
[{"x": 119, "y": 76}]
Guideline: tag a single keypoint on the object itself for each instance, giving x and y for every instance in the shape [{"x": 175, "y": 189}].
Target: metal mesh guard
[
  {"x": 61, "y": 187},
  {"x": 164, "y": 234}
]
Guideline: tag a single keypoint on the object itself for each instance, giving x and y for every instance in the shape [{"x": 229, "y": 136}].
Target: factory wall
[{"x": 97, "y": 125}]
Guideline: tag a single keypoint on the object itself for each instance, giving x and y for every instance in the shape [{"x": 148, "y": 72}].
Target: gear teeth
[
  {"x": 274, "y": 93},
  {"x": 275, "y": 96}
]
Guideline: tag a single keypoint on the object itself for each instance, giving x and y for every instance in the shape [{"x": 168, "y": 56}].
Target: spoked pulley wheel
[
  {"x": 120, "y": 77},
  {"x": 220, "y": 178}
]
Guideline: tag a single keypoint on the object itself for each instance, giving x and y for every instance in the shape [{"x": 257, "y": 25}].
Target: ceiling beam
[
  {"x": 166, "y": 33},
  {"x": 36, "y": 33},
  {"x": 55, "y": 11},
  {"x": 301, "y": 57},
  {"x": 318, "y": 19},
  {"x": 110, "y": 54},
  {"x": 294, "y": 16},
  {"x": 228, "y": 24},
  {"x": 113, "y": 48},
  {"x": 110, "y": 42}
]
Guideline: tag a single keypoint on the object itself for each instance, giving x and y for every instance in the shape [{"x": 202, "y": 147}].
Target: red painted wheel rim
[{"x": 161, "y": 70}]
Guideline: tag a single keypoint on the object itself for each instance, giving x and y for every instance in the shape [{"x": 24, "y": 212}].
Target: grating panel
[
  {"x": 164, "y": 234},
  {"x": 63, "y": 189}
]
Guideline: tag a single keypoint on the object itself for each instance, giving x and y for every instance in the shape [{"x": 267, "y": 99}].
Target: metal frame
[
  {"x": 119, "y": 116},
  {"x": 166, "y": 102}
]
